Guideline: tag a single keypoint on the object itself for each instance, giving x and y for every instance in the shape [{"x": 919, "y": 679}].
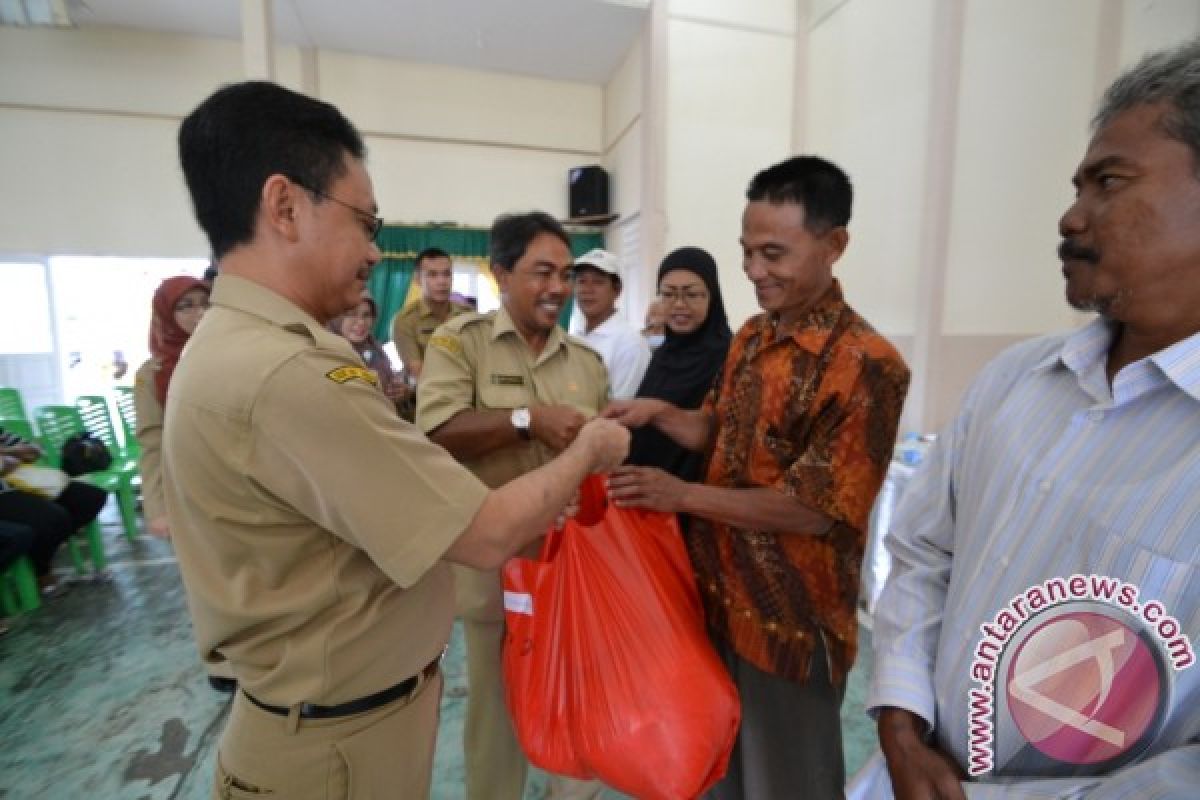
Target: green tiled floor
[{"x": 101, "y": 695}]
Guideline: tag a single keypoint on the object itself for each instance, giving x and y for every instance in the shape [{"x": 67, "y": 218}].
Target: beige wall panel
[
  {"x": 426, "y": 100},
  {"x": 869, "y": 97},
  {"x": 776, "y": 15},
  {"x": 729, "y": 115},
  {"x": 1026, "y": 97},
  {"x": 93, "y": 185}
]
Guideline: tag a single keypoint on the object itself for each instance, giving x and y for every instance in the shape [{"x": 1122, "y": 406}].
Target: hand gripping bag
[{"x": 609, "y": 673}]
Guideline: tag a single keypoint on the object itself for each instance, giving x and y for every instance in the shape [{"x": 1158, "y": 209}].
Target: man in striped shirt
[{"x": 1036, "y": 637}]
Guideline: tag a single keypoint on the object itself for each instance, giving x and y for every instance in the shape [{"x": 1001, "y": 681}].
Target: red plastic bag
[{"x": 609, "y": 673}]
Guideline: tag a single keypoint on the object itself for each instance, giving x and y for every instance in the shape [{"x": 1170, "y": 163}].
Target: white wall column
[
  {"x": 937, "y": 203},
  {"x": 258, "y": 47}
]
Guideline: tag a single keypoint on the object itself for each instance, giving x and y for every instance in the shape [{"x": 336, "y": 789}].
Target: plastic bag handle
[{"x": 593, "y": 500}]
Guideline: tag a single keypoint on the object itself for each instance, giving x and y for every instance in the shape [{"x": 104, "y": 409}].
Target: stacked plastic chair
[
  {"x": 127, "y": 411},
  {"x": 12, "y": 406}
]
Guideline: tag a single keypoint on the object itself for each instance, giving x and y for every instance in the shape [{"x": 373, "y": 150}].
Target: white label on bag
[{"x": 518, "y": 602}]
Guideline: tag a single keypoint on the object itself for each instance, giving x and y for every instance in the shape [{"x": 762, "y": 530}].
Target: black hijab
[{"x": 683, "y": 369}]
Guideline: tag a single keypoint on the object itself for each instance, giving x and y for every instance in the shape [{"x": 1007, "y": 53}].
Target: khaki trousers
[
  {"x": 496, "y": 767},
  {"x": 382, "y": 754}
]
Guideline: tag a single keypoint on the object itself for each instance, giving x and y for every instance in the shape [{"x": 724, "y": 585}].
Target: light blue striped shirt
[{"x": 1047, "y": 473}]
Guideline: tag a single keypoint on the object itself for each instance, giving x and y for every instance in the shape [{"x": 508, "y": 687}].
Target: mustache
[{"x": 1070, "y": 251}]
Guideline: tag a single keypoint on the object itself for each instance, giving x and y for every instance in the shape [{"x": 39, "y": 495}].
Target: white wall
[
  {"x": 88, "y": 120},
  {"x": 730, "y": 70},
  {"x": 623, "y": 160},
  {"x": 858, "y": 117},
  {"x": 955, "y": 273},
  {"x": 1028, "y": 79}
]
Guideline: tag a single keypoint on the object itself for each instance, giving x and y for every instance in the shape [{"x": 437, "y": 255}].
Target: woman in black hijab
[{"x": 685, "y": 367}]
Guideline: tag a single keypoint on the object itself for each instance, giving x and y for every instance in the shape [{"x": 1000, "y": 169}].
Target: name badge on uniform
[
  {"x": 508, "y": 380},
  {"x": 344, "y": 374},
  {"x": 426, "y": 331}
]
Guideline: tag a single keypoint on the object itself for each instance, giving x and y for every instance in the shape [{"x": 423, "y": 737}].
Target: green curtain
[{"x": 391, "y": 278}]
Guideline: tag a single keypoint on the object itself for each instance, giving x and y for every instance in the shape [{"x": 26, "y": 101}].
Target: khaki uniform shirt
[
  {"x": 309, "y": 521},
  {"x": 414, "y": 324},
  {"x": 149, "y": 436},
  {"x": 480, "y": 362}
]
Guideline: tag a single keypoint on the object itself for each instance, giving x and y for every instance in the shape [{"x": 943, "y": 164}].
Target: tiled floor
[{"x": 101, "y": 695}]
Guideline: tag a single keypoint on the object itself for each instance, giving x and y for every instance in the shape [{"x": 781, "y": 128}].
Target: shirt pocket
[{"x": 494, "y": 395}]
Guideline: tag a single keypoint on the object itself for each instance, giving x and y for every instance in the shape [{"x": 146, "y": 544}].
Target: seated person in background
[
  {"x": 655, "y": 330},
  {"x": 53, "y": 520},
  {"x": 683, "y": 370},
  {"x": 414, "y": 324},
  {"x": 176, "y": 309},
  {"x": 355, "y": 326},
  {"x": 16, "y": 540},
  {"x": 625, "y": 352}
]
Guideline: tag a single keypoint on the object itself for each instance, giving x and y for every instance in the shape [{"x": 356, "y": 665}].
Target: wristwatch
[{"x": 520, "y": 420}]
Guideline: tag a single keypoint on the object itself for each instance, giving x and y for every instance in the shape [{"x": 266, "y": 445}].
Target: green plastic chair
[
  {"x": 12, "y": 406},
  {"x": 94, "y": 411},
  {"x": 56, "y": 424},
  {"x": 19, "y": 588},
  {"x": 127, "y": 411},
  {"x": 20, "y": 426}
]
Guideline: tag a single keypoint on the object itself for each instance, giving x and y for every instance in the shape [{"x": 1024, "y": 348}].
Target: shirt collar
[
  {"x": 1180, "y": 363},
  {"x": 1082, "y": 350},
  {"x": 810, "y": 332},
  {"x": 503, "y": 325},
  {"x": 240, "y": 294},
  {"x": 1085, "y": 353}
]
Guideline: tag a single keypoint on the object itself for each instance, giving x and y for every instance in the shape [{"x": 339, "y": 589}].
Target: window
[{"x": 25, "y": 321}]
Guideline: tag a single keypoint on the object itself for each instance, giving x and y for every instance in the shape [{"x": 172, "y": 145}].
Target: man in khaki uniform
[
  {"x": 414, "y": 324},
  {"x": 310, "y": 523},
  {"x": 504, "y": 392}
]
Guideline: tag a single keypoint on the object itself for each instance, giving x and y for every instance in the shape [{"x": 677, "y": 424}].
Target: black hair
[
  {"x": 430, "y": 252},
  {"x": 511, "y": 234},
  {"x": 246, "y": 132},
  {"x": 820, "y": 187}
]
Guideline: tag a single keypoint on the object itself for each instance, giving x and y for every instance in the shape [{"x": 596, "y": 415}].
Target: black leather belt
[{"x": 359, "y": 706}]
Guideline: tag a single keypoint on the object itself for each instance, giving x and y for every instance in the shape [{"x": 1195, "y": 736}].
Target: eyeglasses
[
  {"x": 693, "y": 297},
  {"x": 371, "y": 223}
]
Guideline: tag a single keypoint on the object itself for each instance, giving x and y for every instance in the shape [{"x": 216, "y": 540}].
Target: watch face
[{"x": 520, "y": 418}]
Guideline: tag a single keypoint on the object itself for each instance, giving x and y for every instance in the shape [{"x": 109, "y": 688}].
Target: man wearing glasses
[
  {"x": 332, "y": 608},
  {"x": 504, "y": 392},
  {"x": 799, "y": 432}
]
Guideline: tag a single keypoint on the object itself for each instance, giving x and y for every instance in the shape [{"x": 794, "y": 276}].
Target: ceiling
[{"x": 574, "y": 40}]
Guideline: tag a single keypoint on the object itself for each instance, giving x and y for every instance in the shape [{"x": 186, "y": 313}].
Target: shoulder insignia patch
[
  {"x": 451, "y": 344},
  {"x": 344, "y": 374}
]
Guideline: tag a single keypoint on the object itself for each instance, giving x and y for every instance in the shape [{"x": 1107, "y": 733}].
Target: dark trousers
[
  {"x": 790, "y": 741},
  {"x": 15, "y": 541},
  {"x": 52, "y": 521}
]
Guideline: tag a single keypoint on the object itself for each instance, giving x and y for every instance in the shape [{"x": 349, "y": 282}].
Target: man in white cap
[{"x": 623, "y": 348}]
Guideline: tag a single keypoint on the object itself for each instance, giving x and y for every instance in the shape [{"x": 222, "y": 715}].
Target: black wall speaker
[{"x": 587, "y": 191}]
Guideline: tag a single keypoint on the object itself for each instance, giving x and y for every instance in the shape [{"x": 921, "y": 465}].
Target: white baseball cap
[{"x": 601, "y": 260}]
